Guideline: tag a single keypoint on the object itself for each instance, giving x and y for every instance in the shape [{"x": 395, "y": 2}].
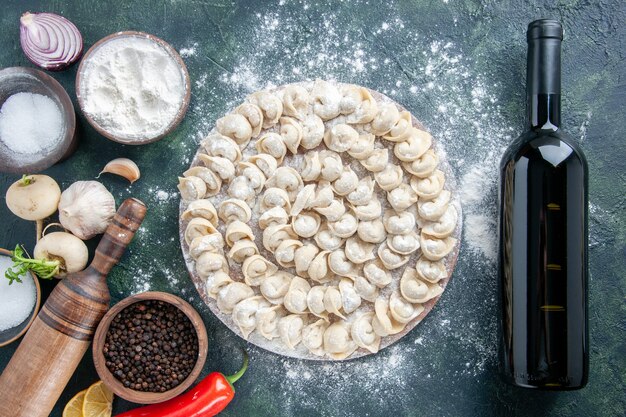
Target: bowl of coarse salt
[
  {"x": 37, "y": 121},
  {"x": 133, "y": 87},
  {"x": 19, "y": 302}
]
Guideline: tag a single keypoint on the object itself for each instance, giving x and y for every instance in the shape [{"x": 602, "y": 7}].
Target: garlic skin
[
  {"x": 123, "y": 167},
  {"x": 86, "y": 208}
]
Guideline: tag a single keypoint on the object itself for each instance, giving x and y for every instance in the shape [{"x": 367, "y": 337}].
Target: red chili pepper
[{"x": 209, "y": 397}]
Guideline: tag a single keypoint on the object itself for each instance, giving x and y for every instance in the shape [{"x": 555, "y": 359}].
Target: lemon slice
[
  {"x": 74, "y": 408},
  {"x": 98, "y": 401}
]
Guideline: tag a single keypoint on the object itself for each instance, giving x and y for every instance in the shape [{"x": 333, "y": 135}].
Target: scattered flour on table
[{"x": 437, "y": 83}]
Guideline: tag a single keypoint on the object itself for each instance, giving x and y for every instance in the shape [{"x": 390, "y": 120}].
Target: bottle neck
[{"x": 543, "y": 83}]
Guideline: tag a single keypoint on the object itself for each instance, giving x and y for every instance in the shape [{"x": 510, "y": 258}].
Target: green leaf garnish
[{"x": 22, "y": 263}]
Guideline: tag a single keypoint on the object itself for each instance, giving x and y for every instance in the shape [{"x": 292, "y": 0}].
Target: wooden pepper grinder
[{"x": 48, "y": 355}]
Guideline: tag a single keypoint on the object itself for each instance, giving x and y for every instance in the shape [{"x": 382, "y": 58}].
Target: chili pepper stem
[{"x": 235, "y": 377}]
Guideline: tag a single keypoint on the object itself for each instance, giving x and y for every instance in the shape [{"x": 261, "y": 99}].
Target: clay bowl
[
  {"x": 15, "y": 80},
  {"x": 139, "y": 396},
  {"x": 10, "y": 335},
  {"x": 134, "y": 140}
]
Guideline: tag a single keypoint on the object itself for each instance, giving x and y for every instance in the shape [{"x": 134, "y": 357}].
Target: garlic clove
[
  {"x": 123, "y": 167},
  {"x": 86, "y": 208}
]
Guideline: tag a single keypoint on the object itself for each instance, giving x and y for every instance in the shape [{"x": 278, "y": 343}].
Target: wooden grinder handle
[{"x": 52, "y": 348}]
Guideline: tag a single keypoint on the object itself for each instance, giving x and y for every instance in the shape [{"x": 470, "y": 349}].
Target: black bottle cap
[{"x": 544, "y": 28}]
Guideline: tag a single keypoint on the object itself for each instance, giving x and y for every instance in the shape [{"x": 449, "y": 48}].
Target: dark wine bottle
[{"x": 542, "y": 265}]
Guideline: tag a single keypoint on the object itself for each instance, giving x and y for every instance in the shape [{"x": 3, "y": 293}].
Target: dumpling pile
[{"x": 317, "y": 217}]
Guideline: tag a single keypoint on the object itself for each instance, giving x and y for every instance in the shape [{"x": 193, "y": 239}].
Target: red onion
[{"x": 49, "y": 40}]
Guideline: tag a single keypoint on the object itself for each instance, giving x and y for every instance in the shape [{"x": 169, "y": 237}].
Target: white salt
[
  {"x": 30, "y": 123},
  {"x": 16, "y": 300}
]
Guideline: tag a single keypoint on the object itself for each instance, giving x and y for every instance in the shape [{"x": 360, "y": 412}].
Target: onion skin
[{"x": 50, "y": 41}]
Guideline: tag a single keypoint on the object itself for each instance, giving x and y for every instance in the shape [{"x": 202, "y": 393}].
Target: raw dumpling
[
  {"x": 363, "y": 333},
  {"x": 345, "y": 227},
  {"x": 340, "y": 264},
  {"x": 234, "y": 209},
  {"x": 304, "y": 199},
  {"x": 327, "y": 240},
  {"x": 241, "y": 189},
  {"x": 306, "y": 224},
  {"x": 402, "y": 197},
  {"x": 220, "y": 145},
  {"x": 315, "y": 301},
  {"x": 435, "y": 249},
  {"x": 433, "y": 209},
  {"x": 430, "y": 187},
  {"x": 270, "y": 105},
  {"x": 295, "y": 101},
  {"x": 265, "y": 162},
  {"x": 423, "y": 166},
  {"x": 431, "y": 271},
  {"x": 326, "y": 99},
  {"x": 215, "y": 282},
  {"x": 365, "y": 289},
  {"x": 363, "y": 146},
  {"x": 444, "y": 226},
  {"x": 333, "y": 212},
  {"x": 358, "y": 105},
  {"x": 358, "y": 251},
  {"x": 212, "y": 181},
  {"x": 196, "y": 227},
  {"x": 201, "y": 208},
  {"x": 332, "y": 166},
  {"x": 416, "y": 290},
  {"x": 256, "y": 268},
  {"x": 267, "y": 321},
  {"x": 370, "y": 211},
  {"x": 404, "y": 244},
  {"x": 371, "y": 231},
  {"x": 254, "y": 116},
  {"x": 377, "y": 160},
  {"x": 288, "y": 179},
  {"x": 304, "y": 256},
  {"x": 340, "y": 138},
  {"x": 191, "y": 188},
  {"x": 290, "y": 329},
  {"x": 291, "y": 131},
  {"x": 324, "y": 195},
  {"x": 337, "y": 342},
  {"x": 272, "y": 217},
  {"x": 389, "y": 178},
  {"x": 244, "y": 314},
  {"x": 274, "y": 287},
  {"x": 285, "y": 253},
  {"x": 209, "y": 263},
  {"x": 231, "y": 295},
  {"x": 377, "y": 274},
  {"x": 389, "y": 258},
  {"x": 237, "y": 230},
  {"x": 242, "y": 249},
  {"x": 313, "y": 337},
  {"x": 401, "y": 310},
  {"x": 272, "y": 144},
  {"x": 383, "y": 324},
  {"x": 347, "y": 182},
  {"x": 401, "y": 129},
  {"x": 386, "y": 118},
  {"x": 350, "y": 299},
  {"x": 332, "y": 301},
  {"x": 256, "y": 178},
  {"x": 273, "y": 236},
  {"x": 318, "y": 268},
  {"x": 414, "y": 146},
  {"x": 311, "y": 166},
  {"x": 220, "y": 166},
  {"x": 363, "y": 193},
  {"x": 312, "y": 131},
  {"x": 275, "y": 197},
  {"x": 236, "y": 127},
  {"x": 296, "y": 296},
  {"x": 213, "y": 242},
  {"x": 398, "y": 223}
]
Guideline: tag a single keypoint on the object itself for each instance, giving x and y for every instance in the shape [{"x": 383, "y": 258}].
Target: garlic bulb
[{"x": 86, "y": 208}]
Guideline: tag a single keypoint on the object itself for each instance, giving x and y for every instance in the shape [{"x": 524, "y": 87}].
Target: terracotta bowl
[
  {"x": 142, "y": 397},
  {"x": 10, "y": 335},
  {"x": 127, "y": 140},
  {"x": 18, "y": 80}
]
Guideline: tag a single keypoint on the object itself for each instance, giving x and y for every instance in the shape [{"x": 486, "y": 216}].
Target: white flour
[{"x": 132, "y": 87}]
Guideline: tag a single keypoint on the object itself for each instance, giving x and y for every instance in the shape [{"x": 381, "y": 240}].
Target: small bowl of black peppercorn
[{"x": 150, "y": 347}]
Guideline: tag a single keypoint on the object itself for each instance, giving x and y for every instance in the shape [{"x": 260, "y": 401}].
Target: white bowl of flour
[{"x": 133, "y": 87}]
